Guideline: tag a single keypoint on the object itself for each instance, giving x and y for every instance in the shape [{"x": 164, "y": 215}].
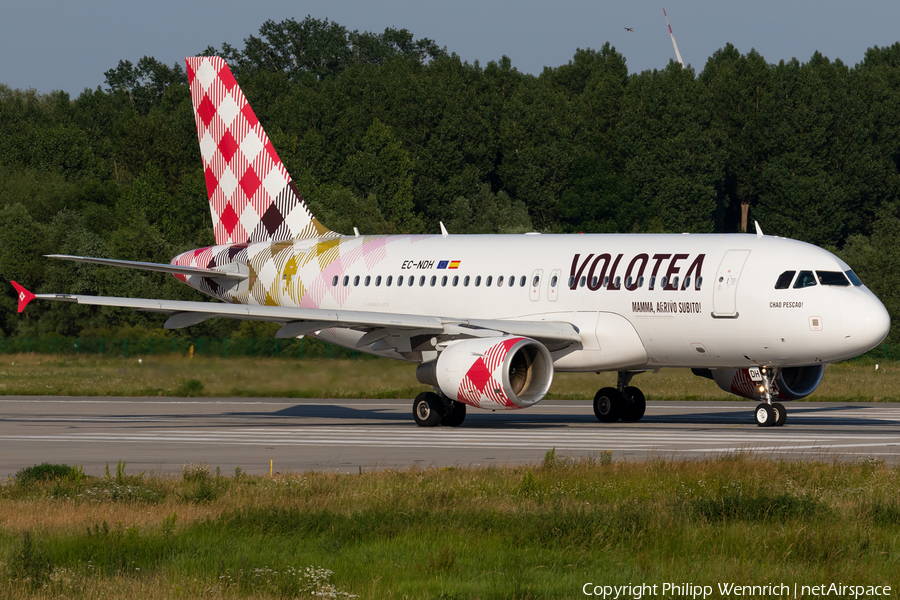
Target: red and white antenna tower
[{"x": 677, "y": 53}]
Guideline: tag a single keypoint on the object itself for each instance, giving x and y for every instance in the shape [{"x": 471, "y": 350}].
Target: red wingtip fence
[{"x": 160, "y": 346}]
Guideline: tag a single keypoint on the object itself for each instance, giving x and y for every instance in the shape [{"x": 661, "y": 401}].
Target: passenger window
[
  {"x": 805, "y": 279},
  {"x": 832, "y": 278},
  {"x": 628, "y": 281},
  {"x": 853, "y": 278},
  {"x": 522, "y": 281},
  {"x": 368, "y": 280},
  {"x": 553, "y": 281},
  {"x": 663, "y": 282},
  {"x": 784, "y": 280},
  {"x": 412, "y": 280},
  {"x": 455, "y": 280},
  {"x": 687, "y": 282},
  {"x": 346, "y": 280},
  {"x": 699, "y": 283},
  {"x": 334, "y": 281},
  {"x": 617, "y": 282},
  {"x": 489, "y": 280},
  {"x": 536, "y": 281},
  {"x": 571, "y": 281},
  {"x": 444, "y": 281},
  {"x": 378, "y": 281},
  {"x": 478, "y": 281},
  {"x": 433, "y": 280},
  {"x": 594, "y": 281},
  {"x": 652, "y": 282},
  {"x": 356, "y": 281},
  {"x": 466, "y": 281},
  {"x": 500, "y": 281},
  {"x": 675, "y": 282},
  {"x": 582, "y": 281},
  {"x": 512, "y": 280},
  {"x": 641, "y": 281}
]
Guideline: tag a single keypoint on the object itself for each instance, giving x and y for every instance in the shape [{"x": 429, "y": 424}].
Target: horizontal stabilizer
[{"x": 145, "y": 266}]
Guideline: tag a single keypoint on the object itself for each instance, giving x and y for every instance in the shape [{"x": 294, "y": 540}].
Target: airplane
[
  {"x": 629, "y": 29},
  {"x": 490, "y": 318}
]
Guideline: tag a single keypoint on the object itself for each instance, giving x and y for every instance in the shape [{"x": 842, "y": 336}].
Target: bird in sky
[{"x": 629, "y": 29}]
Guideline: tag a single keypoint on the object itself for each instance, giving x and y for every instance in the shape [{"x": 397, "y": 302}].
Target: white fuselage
[{"x": 610, "y": 286}]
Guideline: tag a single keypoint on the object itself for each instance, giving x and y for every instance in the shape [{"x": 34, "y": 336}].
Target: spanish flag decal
[{"x": 454, "y": 264}]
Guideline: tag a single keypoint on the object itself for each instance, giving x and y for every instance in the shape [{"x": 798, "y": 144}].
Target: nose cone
[{"x": 864, "y": 321}]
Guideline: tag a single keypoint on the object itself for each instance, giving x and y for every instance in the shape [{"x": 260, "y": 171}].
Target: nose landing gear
[{"x": 768, "y": 413}]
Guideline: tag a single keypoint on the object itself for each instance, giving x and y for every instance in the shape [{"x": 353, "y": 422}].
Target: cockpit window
[
  {"x": 805, "y": 279},
  {"x": 832, "y": 278},
  {"x": 784, "y": 280},
  {"x": 853, "y": 278}
]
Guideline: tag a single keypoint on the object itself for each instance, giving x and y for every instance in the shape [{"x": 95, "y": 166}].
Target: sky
[{"x": 67, "y": 45}]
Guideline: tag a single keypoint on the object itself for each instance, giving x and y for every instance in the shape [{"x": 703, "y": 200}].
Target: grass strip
[{"x": 512, "y": 532}]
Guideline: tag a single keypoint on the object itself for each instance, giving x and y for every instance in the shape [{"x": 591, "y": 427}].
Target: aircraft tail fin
[{"x": 251, "y": 195}]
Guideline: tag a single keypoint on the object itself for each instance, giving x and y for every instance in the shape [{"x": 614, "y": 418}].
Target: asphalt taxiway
[{"x": 159, "y": 435}]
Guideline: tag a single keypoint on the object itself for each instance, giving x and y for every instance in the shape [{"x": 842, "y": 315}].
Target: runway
[{"x": 159, "y": 435}]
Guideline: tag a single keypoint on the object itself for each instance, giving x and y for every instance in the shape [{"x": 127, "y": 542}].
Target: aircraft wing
[{"x": 387, "y": 328}]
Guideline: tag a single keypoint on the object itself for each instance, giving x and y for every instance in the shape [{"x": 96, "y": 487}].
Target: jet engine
[
  {"x": 497, "y": 372},
  {"x": 790, "y": 383}
]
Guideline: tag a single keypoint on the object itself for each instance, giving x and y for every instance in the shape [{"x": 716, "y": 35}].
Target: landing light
[{"x": 762, "y": 389}]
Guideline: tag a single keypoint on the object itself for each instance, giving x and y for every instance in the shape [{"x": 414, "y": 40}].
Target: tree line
[{"x": 390, "y": 133}]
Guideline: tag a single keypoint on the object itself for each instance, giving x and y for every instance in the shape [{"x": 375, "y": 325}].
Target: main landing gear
[
  {"x": 768, "y": 413},
  {"x": 621, "y": 402},
  {"x": 431, "y": 410}
]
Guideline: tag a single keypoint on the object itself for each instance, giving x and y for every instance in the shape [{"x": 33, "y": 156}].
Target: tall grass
[{"x": 518, "y": 532}]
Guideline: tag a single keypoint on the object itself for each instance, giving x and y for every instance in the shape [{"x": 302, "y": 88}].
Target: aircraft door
[
  {"x": 725, "y": 290},
  {"x": 535, "y": 293},
  {"x": 553, "y": 285}
]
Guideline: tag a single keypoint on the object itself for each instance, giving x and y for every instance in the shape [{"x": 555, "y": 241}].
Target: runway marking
[{"x": 404, "y": 437}]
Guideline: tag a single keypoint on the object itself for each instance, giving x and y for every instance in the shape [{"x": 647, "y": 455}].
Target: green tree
[
  {"x": 673, "y": 153},
  {"x": 877, "y": 263},
  {"x": 382, "y": 168}
]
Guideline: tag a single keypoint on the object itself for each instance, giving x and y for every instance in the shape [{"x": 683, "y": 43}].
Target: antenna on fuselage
[
  {"x": 759, "y": 232},
  {"x": 677, "y": 53},
  {"x": 443, "y": 229}
]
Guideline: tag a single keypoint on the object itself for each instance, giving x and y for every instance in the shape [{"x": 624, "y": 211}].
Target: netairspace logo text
[{"x": 694, "y": 591}]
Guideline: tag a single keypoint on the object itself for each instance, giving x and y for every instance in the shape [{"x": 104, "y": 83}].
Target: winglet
[
  {"x": 759, "y": 232},
  {"x": 24, "y": 296}
]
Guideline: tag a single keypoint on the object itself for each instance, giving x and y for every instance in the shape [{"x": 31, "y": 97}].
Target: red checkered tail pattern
[{"x": 251, "y": 195}]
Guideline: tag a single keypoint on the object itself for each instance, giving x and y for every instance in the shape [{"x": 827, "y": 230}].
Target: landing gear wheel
[
  {"x": 428, "y": 410},
  {"x": 765, "y": 415},
  {"x": 635, "y": 405},
  {"x": 456, "y": 416},
  {"x": 608, "y": 404},
  {"x": 780, "y": 414}
]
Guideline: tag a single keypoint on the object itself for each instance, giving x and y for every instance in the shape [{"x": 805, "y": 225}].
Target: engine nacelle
[
  {"x": 791, "y": 383},
  {"x": 498, "y": 372}
]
